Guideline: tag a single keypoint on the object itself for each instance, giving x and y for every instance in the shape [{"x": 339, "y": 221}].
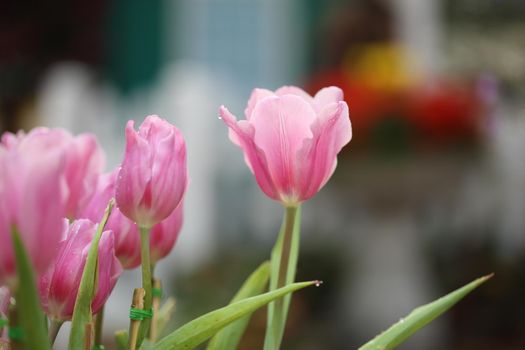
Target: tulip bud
[
  {"x": 127, "y": 239},
  {"x": 291, "y": 140},
  {"x": 58, "y": 287},
  {"x": 32, "y": 201},
  {"x": 164, "y": 235},
  {"x": 153, "y": 177}
]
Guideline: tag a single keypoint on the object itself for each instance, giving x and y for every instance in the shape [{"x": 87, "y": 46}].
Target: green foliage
[
  {"x": 419, "y": 318},
  {"x": 201, "y": 329},
  {"x": 286, "y": 253},
  {"x": 230, "y": 336},
  {"x": 31, "y": 319},
  {"x": 82, "y": 314}
]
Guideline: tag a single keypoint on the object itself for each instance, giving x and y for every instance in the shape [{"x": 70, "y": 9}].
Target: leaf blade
[
  {"x": 420, "y": 317},
  {"x": 202, "y": 328},
  {"x": 229, "y": 337},
  {"x": 82, "y": 312},
  {"x": 30, "y": 316}
]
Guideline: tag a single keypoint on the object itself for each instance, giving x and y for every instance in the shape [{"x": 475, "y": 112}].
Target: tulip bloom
[
  {"x": 153, "y": 177},
  {"x": 127, "y": 239},
  {"x": 83, "y": 161},
  {"x": 32, "y": 200},
  {"x": 164, "y": 235},
  {"x": 290, "y": 139},
  {"x": 58, "y": 287}
]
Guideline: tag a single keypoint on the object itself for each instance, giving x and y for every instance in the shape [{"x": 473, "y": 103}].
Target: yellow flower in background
[{"x": 382, "y": 66}]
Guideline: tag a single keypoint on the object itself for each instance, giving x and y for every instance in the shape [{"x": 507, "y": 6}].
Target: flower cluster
[
  {"x": 56, "y": 199},
  {"x": 53, "y": 194}
]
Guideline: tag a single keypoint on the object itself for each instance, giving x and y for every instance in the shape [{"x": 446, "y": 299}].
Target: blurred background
[{"x": 428, "y": 195}]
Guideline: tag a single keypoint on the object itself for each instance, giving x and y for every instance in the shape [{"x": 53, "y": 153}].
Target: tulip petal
[
  {"x": 67, "y": 268},
  {"x": 169, "y": 175},
  {"x": 83, "y": 167},
  {"x": 253, "y": 156},
  {"x": 29, "y": 179},
  {"x": 127, "y": 239},
  {"x": 328, "y": 95},
  {"x": 7, "y": 265},
  {"x": 319, "y": 156},
  {"x": 59, "y": 287},
  {"x": 294, "y": 90},
  {"x": 7, "y": 258},
  {"x": 126, "y": 232},
  {"x": 153, "y": 176},
  {"x": 282, "y": 124},
  {"x": 135, "y": 173},
  {"x": 255, "y": 97},
  {"x": 109, "y": 270},
  {"x": 164, "y": 234},
  {"x": 154, "y": 129},
  {"x": 40, "y": 197}
]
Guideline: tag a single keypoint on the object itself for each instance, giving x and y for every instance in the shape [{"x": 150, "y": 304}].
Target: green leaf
[
  {"x": 31, "y": 319},
  {"x": 419, "y": 318},
  {"x": 200, "y": 329},
  {"x": 286, "y": 253},
  {"x": 82, "y": 314},
  {"x": 146, "y": 345},
  {"x": 229, "y": 337},
  {"x": 121, "y": 339}
]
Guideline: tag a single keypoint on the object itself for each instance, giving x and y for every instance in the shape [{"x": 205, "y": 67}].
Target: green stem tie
[
  {"x": 156, "y": 292},
  {"x": 139, "y": 314},
  {"x": 15, "y": 333},
  {"x": 3, "y": 322}
]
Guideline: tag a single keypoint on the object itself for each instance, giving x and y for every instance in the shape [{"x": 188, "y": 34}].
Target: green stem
[
  {"x": 146, "y": 281},
  {"x": 287, "y": 244},
  {"x": 283, "y": 265},
  {"x": 54, "y": 328},
  {"x": 281, "y": 310},
  {"x": 99, "y": 322}
]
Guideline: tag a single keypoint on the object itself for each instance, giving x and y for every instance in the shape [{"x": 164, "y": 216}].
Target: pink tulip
[
  {"x": 153, "y": 177},
  {"x": 58, "y": 287},
  {"x": 84, "y": 160},
  {"x": 32, "y": 201},
  {"x": 290, "y": 139},
  {"x": 164, "y": 235},
  {"x": 127, "y": 239}
]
